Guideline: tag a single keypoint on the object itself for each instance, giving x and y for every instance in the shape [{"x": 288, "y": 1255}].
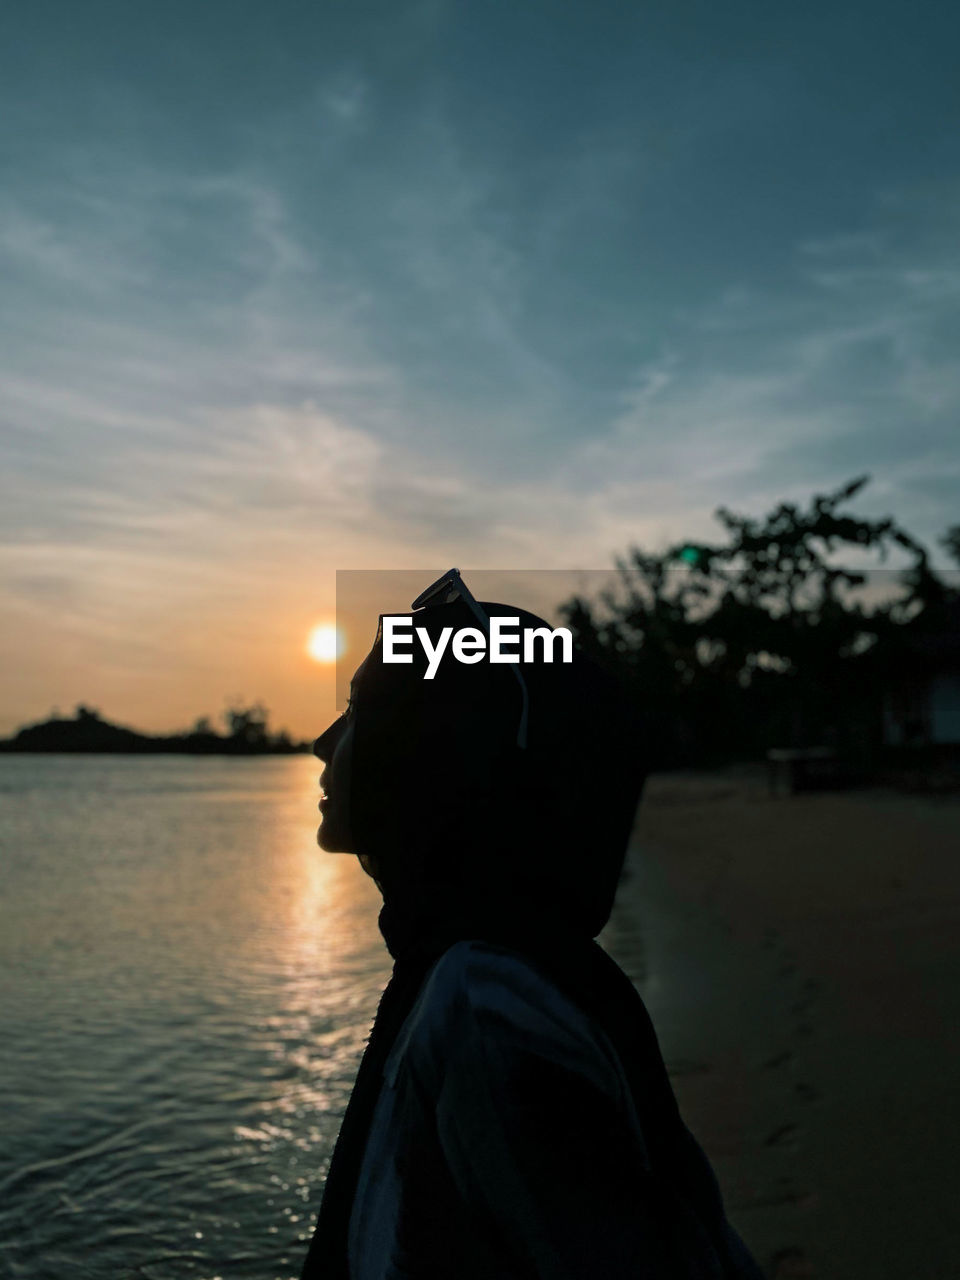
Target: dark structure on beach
[{"x": 921, "y": 701}]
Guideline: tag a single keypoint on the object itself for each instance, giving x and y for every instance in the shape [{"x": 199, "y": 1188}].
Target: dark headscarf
[{"x": 468, "y": 826}]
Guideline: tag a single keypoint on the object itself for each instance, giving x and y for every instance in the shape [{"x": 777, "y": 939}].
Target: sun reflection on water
[{"x": 190, "y": 983}]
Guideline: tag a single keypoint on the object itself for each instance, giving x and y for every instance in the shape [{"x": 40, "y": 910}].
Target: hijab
[{"x": 464, "y": 823}]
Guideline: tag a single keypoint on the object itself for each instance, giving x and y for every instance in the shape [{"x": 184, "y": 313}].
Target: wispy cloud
[{"x": 433, "y": 298}]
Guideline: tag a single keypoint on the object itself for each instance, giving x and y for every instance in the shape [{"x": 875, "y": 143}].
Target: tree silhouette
[
  {"x": 248, "y": 725},
  {"x": 761, "y": 638},
  {"x": 951, "y": 543}
]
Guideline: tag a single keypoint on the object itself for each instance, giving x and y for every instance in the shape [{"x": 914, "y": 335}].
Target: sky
[{"x": 301, "y": 287}]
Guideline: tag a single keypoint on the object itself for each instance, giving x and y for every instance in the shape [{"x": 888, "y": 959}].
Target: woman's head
[{"x": 427, "y": 784}]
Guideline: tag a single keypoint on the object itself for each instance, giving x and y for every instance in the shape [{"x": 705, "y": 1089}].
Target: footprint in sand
[
  {"x": 687, "y": 1068},
  {"x": 778, "y": 1059},
  {"x": 791, "y": 1264},
  {"x": 785, "y": 1193},
  {"x": 781, "y": 1136}
]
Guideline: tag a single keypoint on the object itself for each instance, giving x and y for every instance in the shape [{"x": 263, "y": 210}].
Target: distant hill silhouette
[{"x": 88, "y": 731}]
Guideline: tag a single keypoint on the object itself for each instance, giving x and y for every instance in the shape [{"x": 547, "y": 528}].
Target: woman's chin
[{"x": 328, "y": 839}]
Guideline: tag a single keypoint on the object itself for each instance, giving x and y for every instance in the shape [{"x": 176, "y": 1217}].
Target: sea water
[{"x": 186, "y": 983}]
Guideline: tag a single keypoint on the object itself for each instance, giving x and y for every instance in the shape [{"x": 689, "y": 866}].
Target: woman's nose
[{"x": 324, "y": 746}]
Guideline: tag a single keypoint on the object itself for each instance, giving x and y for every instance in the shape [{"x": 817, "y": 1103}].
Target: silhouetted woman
[{"x": 512, "y": 1116}]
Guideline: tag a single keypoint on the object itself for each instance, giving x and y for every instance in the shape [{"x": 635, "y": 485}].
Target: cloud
[
  {"x": 346, "y": 97},
  {"x": 219, "y": 387}
]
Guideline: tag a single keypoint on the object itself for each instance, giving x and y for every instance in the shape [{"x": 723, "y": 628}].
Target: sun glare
[{"x": 324, "y": 644}]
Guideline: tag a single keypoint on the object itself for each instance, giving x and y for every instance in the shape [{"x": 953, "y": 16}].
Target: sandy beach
[{"x": 799, "y": 958}]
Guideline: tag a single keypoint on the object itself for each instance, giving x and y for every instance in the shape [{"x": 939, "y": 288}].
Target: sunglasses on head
[{"x": 450, "y": 587}]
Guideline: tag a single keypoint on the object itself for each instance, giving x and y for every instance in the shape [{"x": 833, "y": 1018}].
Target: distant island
[{"x": 247, "y": 735}]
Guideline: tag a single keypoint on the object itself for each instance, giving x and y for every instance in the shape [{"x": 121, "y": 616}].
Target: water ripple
[{"x": 189, "y": 982}]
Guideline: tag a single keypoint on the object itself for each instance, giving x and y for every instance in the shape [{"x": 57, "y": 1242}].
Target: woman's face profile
[{"x": 334, "y": 748}]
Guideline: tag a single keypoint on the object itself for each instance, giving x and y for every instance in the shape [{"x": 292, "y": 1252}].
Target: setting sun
[{"x": 324, "y": 644}]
